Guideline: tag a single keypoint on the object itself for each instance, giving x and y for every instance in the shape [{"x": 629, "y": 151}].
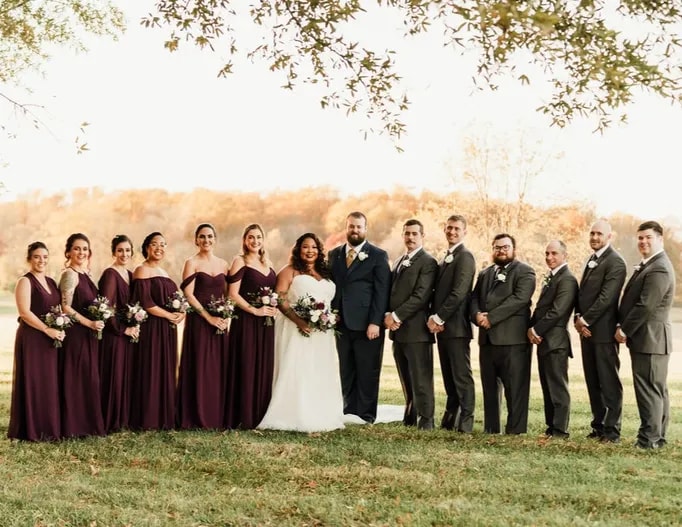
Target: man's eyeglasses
[{"x": 501, "y": 248}]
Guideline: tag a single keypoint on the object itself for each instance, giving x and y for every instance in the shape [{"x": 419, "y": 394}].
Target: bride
[{"x": 306, "y": 394}]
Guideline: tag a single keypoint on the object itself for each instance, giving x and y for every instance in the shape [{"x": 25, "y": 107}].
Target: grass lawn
[{"x": 383, "y": 474}]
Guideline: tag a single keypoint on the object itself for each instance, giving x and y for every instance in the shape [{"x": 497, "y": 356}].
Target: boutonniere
[
  {"x": 406, "y": 262},
  {"x": 449, "y": 258},
  {"x": 362, "y": 256},
  {"x": 546, "y": 279},
  {"x": 638, "y": 268},
  {"x": 501, "y": 277},
  {"x": 592, "y": 264}
]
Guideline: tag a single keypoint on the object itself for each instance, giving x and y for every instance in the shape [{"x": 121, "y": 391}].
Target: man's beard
[
  {"x": 502, "y": 261},
  {"x": 355, "y": 239}
]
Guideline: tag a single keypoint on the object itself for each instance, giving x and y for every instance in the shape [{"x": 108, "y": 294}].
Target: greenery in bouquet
[
  {"x": 221, "y": 307},
  {"x": 100, "y": 309},
  {"x": 55, "y": 318},
  {"x": 319, "y": 314}
]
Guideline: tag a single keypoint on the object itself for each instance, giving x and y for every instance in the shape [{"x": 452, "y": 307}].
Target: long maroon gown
[
  {"x": 116, "y": 350},
  {"x": 79, "y": 368},
  {"x": 34, "y": 414},
  {"x": 152, "y": 394},
  {"x": 251, "y": 360},
  {"x": 203, "y": 362}
]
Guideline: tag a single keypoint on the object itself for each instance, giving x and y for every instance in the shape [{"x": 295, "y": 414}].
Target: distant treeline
[{"x": 284, "y": 215}]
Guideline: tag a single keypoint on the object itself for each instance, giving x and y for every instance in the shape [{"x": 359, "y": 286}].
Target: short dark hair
[
  {"x": 414, "y": 221},
  {"x": 357, "y": 215},
  {"x": 654, "y": 225},
  {"x": 504, "y": 235}
]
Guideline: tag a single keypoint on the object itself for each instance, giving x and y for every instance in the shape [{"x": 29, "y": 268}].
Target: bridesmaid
[
  {"x": 155, "y": 360},
  {"x": 79, "y": 356},
  {"x": 252, "y": 340},
  {"x": 35, "y": 414},
  {"x": 116, "y": 347},
  {"x": 203, "y": 362}
]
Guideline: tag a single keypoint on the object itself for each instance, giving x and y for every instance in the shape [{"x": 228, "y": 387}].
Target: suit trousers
[
  {"x": 458, "y": 380},
  {"x": 553, "y": 372},
  {"x": 505, "y": 369},
  {"x": 649, "y": 376},
  {"x": 414, "y": 362},
  {"x": 360, "y": 362},
  {"x": 601, "y": 365}
]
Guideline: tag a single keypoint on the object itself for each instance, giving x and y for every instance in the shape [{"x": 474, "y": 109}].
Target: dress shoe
[
  {"x": 609, "y": 439},
  {"x": 648, "y": 446},
  {"x": 594, "y": 434},
  {"x": 448, "y": 421},
  {"x": 558, "y": 434},
  {"x": 425, "y": 423}
]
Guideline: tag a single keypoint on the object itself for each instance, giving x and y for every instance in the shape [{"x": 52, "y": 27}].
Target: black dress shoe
[
  {"x": 609, "y": 439},
  {"x": 595, "y": 434},
  {"x": 448, "y": 421},
  {"x": 558, "y": 434},
  {"x": 425, "y": 423},
  {"x": 647, "y": 446}
]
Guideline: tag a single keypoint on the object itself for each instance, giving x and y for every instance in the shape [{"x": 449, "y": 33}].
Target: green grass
[{"x": 364, "y": 475}]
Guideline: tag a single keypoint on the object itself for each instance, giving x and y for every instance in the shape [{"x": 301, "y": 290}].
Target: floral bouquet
[
  {"x": 134, "y": 316},
  {"x": 55, "y": 318},
  {"x": 319, "y": 315},
  {"x": 221, "y": 307},
  {"x": 265, "y": 297},
  {"x": 100, "y": 309},
  {"x": 177, "y": 303}
]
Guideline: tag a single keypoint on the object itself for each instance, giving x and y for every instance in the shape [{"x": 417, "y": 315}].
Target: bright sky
[{"x": 157, "y": 117}]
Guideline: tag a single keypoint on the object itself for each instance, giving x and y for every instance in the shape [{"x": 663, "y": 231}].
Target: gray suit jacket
[
  {"x": 452, "y": 294},
  {"x": 362, "y": 289},
  {"x": 411, "y": 292},
  {"x": 644, "y": 312},
  {"x": 599, "y": 294},
  {"x": 553, "y": 312},
  {"x": 506, "y": 302}
]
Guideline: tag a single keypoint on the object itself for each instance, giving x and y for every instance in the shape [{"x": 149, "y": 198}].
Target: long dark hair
[{"x": 320, "y": 263}]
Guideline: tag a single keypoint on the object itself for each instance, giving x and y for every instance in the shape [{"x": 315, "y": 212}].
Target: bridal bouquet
[
  {"x": 177, "y": 303},
  {"x": 134, "y": 316},
  {"x": 319, "y": 315},
  {"x": 100, "y": 309},
  {"x": 221, "y": 307},
  {"x": 55, "y": 318},
  {"x": 265, "y": 297}
]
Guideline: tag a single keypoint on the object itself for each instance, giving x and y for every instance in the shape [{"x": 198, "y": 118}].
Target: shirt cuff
[
  {"x": 395, "y": 317},
  {"x": 437, "y": 319}
]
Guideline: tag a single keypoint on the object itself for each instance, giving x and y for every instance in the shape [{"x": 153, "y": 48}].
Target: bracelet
[
  {"x": 286, "y": 312},
  {"x": 200, "y": 310}
]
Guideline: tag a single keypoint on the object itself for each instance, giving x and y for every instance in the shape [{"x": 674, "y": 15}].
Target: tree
[
  {"x": 31, "y": 30},
  {"x": 595, "y": 55}
]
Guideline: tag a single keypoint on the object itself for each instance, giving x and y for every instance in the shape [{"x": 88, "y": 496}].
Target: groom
[{"x": 362, "y": 276}]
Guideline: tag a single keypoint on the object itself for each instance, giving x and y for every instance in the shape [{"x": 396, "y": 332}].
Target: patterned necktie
[{"x": 350, "y": 256}]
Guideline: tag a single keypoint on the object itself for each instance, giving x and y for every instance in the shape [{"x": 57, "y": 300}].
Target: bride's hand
[{"x": 303, "y": 327}]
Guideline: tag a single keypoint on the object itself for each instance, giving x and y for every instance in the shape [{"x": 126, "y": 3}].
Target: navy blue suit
[{"x": 362, "y": 292}]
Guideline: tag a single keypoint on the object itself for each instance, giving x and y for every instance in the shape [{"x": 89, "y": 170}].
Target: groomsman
[
  {"x": 451, "y": 324},
  {"x": 362, "y": 276},
  {"x": 549, "y": 333},
  {"x": 500, "y": 307},
  {"x": 596, "y": 315},
  {"x": 412, "y": 287},
  {"x": 644, "y": 317}
]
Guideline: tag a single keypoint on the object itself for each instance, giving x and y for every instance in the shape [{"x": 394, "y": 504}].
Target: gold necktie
[{"x": 350, "y": 255}]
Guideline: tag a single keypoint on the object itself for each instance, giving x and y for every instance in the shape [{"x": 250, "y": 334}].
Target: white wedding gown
[{"x": 306, "y": 394}]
